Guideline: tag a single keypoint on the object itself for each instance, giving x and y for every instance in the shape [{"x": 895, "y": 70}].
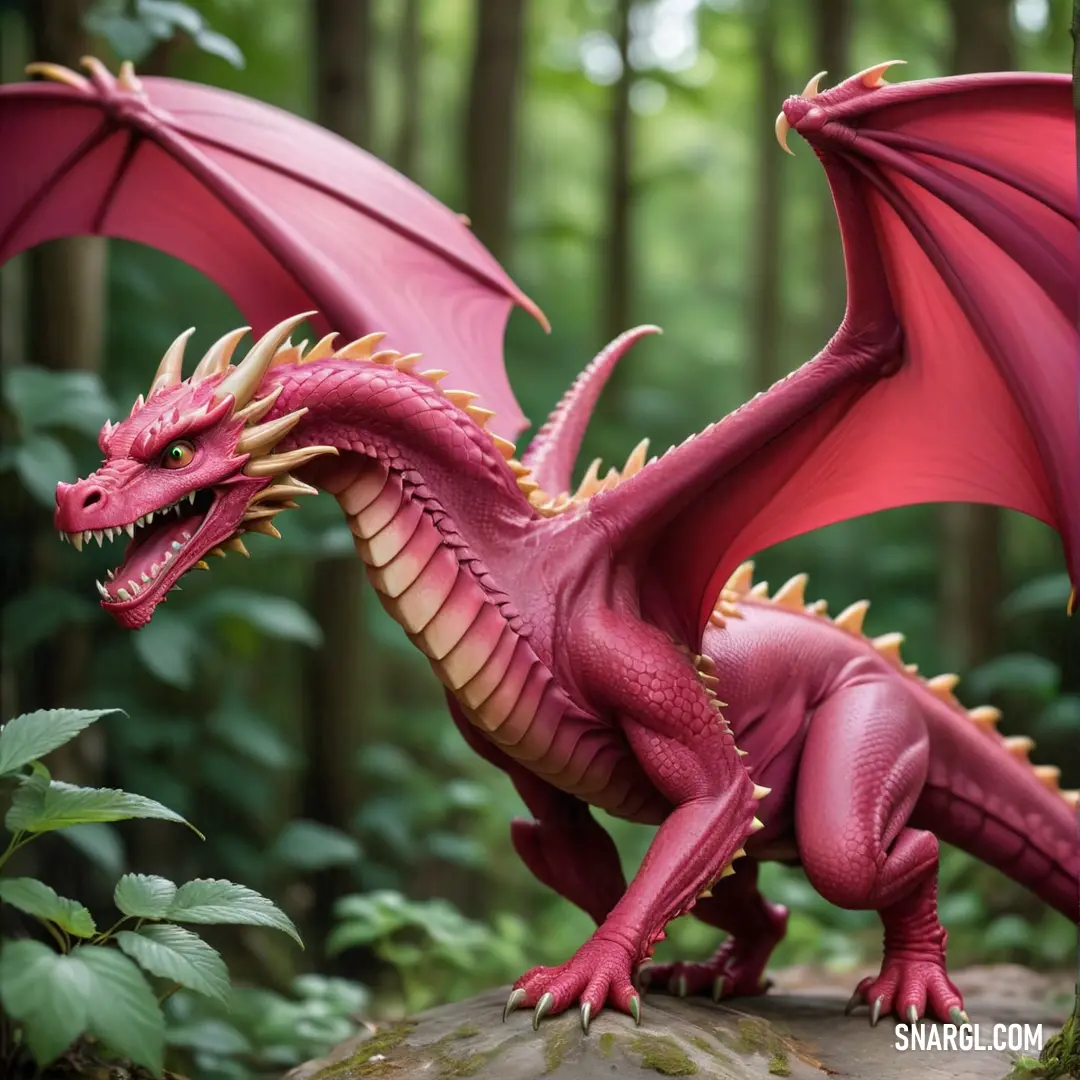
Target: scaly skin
[{"x": 553, "y": 675}]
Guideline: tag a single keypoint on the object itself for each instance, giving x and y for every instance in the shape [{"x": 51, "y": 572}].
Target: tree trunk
[
  {"x": 765, "y": 326},
  {"x": 972, "y": 577},
  {"x": 410, "y": 57},
  {"x": 343, "y": 77},
  {"x": 491, "y": 125},
  {"x": 832, "y": 21},
  {"x": 340, "y": 679}
]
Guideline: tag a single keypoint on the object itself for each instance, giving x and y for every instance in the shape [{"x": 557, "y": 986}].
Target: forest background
[{"x": 618, "y": 157}]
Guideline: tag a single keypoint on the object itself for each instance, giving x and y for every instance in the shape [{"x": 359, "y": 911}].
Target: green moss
[
  {"x": 559, "y": 1039},
  {"x": 663, "y": 1054},
  {"x": 754, "y": 1035},
  {"x": 778, "y": 1064},
  {"x": 607, "y": 1044},
  {"x": 464, "y": 1065},
  {"x": 379, "y": 1045},
  {"x": 466, "y": 1031},
  {"x": 1061, "y": 1054}
]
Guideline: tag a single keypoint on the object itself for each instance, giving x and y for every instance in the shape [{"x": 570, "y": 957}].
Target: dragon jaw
[{"x": 188, "y": 472}]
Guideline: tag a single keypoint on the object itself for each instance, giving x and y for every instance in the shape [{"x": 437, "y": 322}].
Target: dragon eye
[{"x": 178, "y": 454}]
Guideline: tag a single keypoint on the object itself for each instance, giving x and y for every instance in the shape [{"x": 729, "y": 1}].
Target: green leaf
[
  {"x": 33, "y": 735},
  {"x": 223, "y": 902},
  {"x": 37, "y": 899},
  {"x": 36, "y": 614},
  {"x": 275, "y": 616},
  {"x": 100, "y": 843},
  {"x": 179, "y": 955},
  {"x": 43, "y": 398},
  {"x": 1017, "y": 672},
  {"x": 48, "y": 993},
  {"x": 210, "y": 41},
  {"x": 128, "y": 38},
  {"x": 173, "y": 13},
  {"x": 124, "y": 1013},
  {"x": 310, "y": 845},
  {"x": 41, "y": 462},
  {"x": 146, "y": 896},
  {"x": 167, "y": 647},
  {"x": 37, "y": 809},
  {"x": 238, "y": 725},
  {"x": 1047, "y": 593}
]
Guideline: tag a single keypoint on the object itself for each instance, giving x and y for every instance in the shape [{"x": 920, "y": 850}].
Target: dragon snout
[{"x": 73, "y": 501}]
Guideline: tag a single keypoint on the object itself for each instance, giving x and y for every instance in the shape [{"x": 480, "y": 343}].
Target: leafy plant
[{"x": 105, "y": 984}]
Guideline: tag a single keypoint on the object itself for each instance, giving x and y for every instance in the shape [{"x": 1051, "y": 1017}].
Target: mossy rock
[{"x": 804, "y": 1037}]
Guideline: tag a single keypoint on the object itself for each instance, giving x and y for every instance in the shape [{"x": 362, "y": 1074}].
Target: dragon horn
[
  {"x": 219, "y": 354},
  {"x": 168, "y": 372},
  {"x": 244, "y": 379}
]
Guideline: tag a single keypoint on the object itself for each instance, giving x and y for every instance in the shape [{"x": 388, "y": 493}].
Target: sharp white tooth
[
  {"x": 168, "y": 556},
  {"x": 177, "y": 546},
  {"x": 99, "y": 536},
  {"x": 191, "y": 498},
  {"x": 104, "y": 592},
  {"x": 129, "y": 528},
  {"x": 146, "y": 580},
  {"x": 176, "y": 588},
  {"x": 187, "y": 535},
  {"x": 149, "y": 517},
  {"x": 154, "y": 570},
  {"x": 111, "y": 574},
  {"x": 134, "y": 588},
  {"x": 138, "y": 522},
  {"x": 76, "y": 541},
  {"x": 88, "y": 536},
  {"x": 122, "y": 594},
  {"x": 63, "y": 538}
]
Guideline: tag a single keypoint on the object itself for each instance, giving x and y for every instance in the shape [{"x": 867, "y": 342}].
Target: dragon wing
[
  {"x": 283, "y": 215},
  {"x": 954, "y": 375}
]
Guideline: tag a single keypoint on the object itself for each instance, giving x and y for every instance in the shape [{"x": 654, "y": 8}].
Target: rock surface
[{"x": 798, "y": 1030}]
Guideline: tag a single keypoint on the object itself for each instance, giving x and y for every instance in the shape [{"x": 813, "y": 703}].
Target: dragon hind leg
[
  {"x": 863, "y": 767},
  {"x": 737, "y": 969}
]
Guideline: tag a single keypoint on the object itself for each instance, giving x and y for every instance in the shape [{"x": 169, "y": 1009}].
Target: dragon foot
[
  {"x": 737, "y": 969},
  {"x": 910, "y": 989},
  {"x": 597, "y": 974}
]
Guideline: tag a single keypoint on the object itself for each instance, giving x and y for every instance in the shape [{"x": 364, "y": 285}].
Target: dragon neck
[{"x": 380, "y": 419}]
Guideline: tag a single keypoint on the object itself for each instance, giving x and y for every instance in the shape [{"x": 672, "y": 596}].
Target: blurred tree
[
  {"x": 343, "y": 69},
  {"x": 832, "y": 24},
  {"x": 765, "y": 239},
  {"x": 341, "y": 681},
  {"x": 972, "y": 582},
  {"x": 410, "y": 66},
  {"x": 492, "y": 122}
]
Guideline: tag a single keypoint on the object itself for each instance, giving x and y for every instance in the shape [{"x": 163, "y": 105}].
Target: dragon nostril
[{"x": 95, "y": 495}]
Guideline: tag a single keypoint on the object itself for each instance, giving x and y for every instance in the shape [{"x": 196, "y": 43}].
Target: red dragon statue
[{"x": 583, "y": 638}]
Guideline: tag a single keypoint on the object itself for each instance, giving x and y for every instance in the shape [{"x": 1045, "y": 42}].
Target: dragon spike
[
  {"x": 433, "y": 375},
  {"x": 740, "y": 582},
  {"x": 1072, "y": 798},
  {"x": 262, "y": 526},
  {"x": 289, "y": 353},
  {"x": 480, "y": 416},
  {"x": 727, "y": 608},
  {"x": 168, "y": 372},
  {"x": 851, "y": 618},
  {"x": 255, "y": 410},
  {"x": 272, "y": 464},
  {"x": 408, "y": 361},
  {"x": 636, "y": 461},
  {"x": 873, "y": 77},
  {"x": 59, "y": 74},
  {"x": 760, "y": 590},
  {"x": 258, "y": 440},
  {"x": 942, "y": 686},
  {"x": 361, "y": 348},
  {"x": 812, "y": 90},
  {"x": 728, "y": 871},
  {"x": 760, "y": 792},
  {"x": 1019, "y": 746},
  {"x": 234, "y": 543},
  {"x": 985, "y": 716},
  {"x": 461, "y": 398},
  {"x": 219, "y": 354},
  {"x": 323, "y": 348},
  {"x": 243, "y": 380},
  {"x": 385, "y": 357},
  {"x": 756, "y": 825},
  {"x": 590, "y": 482},
  {"x": 1048, "y": 775},
  {"x": 818, "y": 607},
  {"x": 126, "y": 78},
  {"x": 504, "y": 446},
  {"x": 888, "y": 645},
  {"x": 792, "y": 594},
  {"x": 912, "y": 669}
]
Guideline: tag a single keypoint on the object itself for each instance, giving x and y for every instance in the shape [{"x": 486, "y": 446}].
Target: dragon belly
[{"x": 503, "y": 687}]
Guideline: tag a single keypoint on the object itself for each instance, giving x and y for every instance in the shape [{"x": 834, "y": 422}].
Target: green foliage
[{"x": 101, "y": 986}]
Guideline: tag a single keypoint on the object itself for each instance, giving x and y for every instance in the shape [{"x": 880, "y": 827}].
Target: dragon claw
[
  {"x": 958, "y": 1016},
  {"x": 543, "y": 1007},
  {"x": 875, "y": 1011},
  {"x": 677, "y": 986},
  {"x": 635, "y": 1009},
  {"x": 912, "y": 1015},
  {"x": 718, "y": 987},
  {"x": 586, "y": 1014},
  {"x": 512, "y": 1002},
  {"x": 854, "y": 1002}
]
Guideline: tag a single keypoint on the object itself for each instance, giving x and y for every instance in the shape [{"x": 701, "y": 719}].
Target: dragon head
[{"x": 188, "y": 472}]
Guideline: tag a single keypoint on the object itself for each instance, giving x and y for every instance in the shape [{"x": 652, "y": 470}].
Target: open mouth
[{"x": 158, "y": 539}]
